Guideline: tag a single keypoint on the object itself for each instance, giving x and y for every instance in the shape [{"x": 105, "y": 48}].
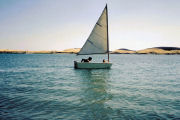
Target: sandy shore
[
  {"x": 70, "y": 51},
  {"x": 155, "y": 50},
  {"x": 123, "y": 51},
  {"x": 12, "y": 51},
  {"x": 73, "y": 50}
]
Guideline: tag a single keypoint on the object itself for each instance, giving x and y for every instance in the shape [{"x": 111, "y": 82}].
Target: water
[{"x": 46, "y": 86}]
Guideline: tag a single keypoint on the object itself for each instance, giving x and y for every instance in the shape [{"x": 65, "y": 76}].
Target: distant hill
[
  {"x": 12, "y": 51},
  {"x": 123, "y": 51},
  {"x": 168, "y": 48},
  {"x": 160, "y": 50},
  {"x": 154, "y": 50},
  {"x": 72, "y": 50},
  {"x": 6, "y": 51}
]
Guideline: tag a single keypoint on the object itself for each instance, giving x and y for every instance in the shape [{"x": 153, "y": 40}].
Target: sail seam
[
  {"x": 93, "y": 44},
  {"x": 99, "y": 24}
]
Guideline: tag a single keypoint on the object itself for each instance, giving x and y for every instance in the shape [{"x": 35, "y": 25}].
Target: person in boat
[
  {"x": 104, "y": 60},
  {"x": 86, "y": 60}
]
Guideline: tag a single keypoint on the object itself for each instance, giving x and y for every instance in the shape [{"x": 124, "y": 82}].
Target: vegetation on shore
[{"x": 155, "y": 50}]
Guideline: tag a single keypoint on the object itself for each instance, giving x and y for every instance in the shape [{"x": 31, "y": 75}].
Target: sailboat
[{"x": 97, "y": 43}]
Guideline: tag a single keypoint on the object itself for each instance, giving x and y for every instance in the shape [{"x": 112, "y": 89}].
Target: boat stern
[{"x": 75, "y": 64}]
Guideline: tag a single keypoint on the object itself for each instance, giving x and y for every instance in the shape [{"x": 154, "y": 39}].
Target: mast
[{"x": 107, "y": 32}]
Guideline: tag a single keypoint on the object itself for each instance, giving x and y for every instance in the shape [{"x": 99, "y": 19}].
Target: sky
[{"x": 64, "y": 24}]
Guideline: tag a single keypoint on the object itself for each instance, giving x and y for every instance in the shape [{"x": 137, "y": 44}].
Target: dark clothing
[{"x": 84, "y": 60}]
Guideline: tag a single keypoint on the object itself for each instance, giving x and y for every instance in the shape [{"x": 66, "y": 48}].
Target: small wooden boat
[
  {"x": 97, "y": 43},
  {"x": 86, "y": 65}
]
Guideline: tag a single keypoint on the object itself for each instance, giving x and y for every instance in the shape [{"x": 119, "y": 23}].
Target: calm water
[{"x": 40, "y": 87}]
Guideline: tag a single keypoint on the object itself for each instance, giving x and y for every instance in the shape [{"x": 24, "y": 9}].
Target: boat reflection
[{"x": 94, "y": 87}]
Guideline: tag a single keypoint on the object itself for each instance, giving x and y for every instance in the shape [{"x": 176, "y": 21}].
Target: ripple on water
[{"x": 48, "y": 87}]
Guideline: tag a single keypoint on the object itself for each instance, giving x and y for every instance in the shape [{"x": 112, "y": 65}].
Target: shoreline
[{"x": 155, "y": 50}]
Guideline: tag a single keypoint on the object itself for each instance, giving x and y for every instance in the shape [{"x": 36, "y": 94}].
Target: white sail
[{"x": 97, "y": 42}]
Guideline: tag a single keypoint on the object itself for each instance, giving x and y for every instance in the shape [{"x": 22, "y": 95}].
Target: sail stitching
[
  {"x": 93, "y": 44},
  {"x": 99, "y": 24}
]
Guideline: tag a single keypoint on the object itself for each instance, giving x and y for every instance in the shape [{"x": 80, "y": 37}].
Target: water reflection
[{"x": 94, "y": 86}]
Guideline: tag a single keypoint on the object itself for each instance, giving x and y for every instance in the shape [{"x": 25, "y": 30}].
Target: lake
[{"x": 46, "y": 86}]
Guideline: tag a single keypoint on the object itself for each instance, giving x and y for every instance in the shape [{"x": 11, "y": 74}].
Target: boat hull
[{"x": 86, "y": 65}]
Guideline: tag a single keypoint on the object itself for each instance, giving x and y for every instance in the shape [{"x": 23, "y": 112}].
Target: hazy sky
[{"x": 62, "y": 24}]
